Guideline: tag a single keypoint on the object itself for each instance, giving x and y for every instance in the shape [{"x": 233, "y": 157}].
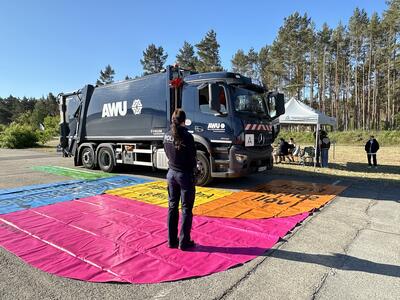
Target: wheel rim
[
  {"x": 87, "y": 157},
  {"x": 105, "y": 159},
  {"x": 201, "y": 169}
]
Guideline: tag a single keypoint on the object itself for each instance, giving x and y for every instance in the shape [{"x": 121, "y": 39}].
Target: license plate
[{"x": 261, "y": 169}]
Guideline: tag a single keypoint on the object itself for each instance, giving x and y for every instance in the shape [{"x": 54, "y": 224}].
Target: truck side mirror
[
  {"x": 213, "y": 96},
  {"x": 276, "y": 105}
]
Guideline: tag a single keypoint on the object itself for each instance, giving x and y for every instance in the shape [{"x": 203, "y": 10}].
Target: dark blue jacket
[
  {"x": 183, "y": 159},
  {"x": 283, "y": 148},
  {"x": 372, "y": 147}
]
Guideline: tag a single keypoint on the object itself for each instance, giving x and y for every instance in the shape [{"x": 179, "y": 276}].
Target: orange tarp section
[{"x": 278, "y": 198}]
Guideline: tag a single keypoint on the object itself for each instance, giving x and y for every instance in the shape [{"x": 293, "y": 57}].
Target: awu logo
[
  {"x": 216, "y": 126},
  {"x": 115, "y": 109}
]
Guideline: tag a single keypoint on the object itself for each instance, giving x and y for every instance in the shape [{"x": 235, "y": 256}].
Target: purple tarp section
[{"x": 108, "y": 238}]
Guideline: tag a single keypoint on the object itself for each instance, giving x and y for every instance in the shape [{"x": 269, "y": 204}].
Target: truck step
[
  {"x": 221, "y": 161},
  {"x": 220, "y": 150},
  {"x": 143, "y": 163},
  {"x": 147, "y": 151}
]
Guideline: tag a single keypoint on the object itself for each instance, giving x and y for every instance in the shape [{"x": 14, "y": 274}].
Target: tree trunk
[
  {"x": 346, "y": 104},
  {"x": 375, "y": 100},
  {"x": 312, "y": 79},
  {"x": 393, "y": 88},
  {"x": 363, "y": 98},
  {"x": 369, "y": 86},
  {"x": 323, "y": 82},
  {"x": 336, "y": 81},
  {"x": 388, "y": 91}
]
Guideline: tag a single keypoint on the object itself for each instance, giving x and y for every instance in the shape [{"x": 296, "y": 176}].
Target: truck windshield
[{"x": 248, "y": 101}]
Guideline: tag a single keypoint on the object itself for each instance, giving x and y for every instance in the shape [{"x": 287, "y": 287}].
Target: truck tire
[
  {"x": 87, "y": 158},
  {"x": 204, "y": 169},
  {"x": 106, "y": 159}
]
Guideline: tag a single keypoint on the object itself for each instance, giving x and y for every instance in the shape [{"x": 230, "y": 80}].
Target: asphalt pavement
[{"x": 350, "y": 249}]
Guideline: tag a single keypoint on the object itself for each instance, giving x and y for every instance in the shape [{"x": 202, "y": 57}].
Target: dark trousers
[
  {"x": 373, "y": 156},
  {"x": 180, "y": 186},
  {"x": 317, "y": 158}
]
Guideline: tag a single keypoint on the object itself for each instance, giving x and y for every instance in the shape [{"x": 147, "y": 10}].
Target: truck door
[
  {"x": 210, "y": 124},
  {"x": 188, "y": 104}
]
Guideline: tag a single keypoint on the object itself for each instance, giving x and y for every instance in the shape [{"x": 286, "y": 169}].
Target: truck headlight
[{"x": 240, "y": 158}]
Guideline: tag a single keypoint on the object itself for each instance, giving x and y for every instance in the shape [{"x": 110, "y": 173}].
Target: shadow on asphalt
[
  {"x": 338, "y": 261},
  {"x": 359, "y": 167}
]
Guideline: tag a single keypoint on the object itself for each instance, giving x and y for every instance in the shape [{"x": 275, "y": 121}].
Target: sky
[{"x": 61, "y": 45}]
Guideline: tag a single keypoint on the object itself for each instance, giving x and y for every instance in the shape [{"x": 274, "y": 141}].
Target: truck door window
[
  {"x": 204, "y": 101},
  {"x": 73, "y": 107}
]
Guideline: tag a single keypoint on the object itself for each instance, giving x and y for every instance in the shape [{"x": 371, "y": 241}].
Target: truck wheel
[
  {"x": 106, "y": 159},
  {"x": 204, "y": 169},
  {"x": 87, "y": 157}
]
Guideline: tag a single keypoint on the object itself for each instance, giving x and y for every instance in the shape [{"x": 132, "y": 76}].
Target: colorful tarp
[
  {"x": 107, "y": 238},
  {"x": 278, "y": 198},
  {"x": 38, "y": 195},
  {"x": 156, "y": 193},
  {"x": 73, "y": 173},
  {"x": 293, "y": 187}
]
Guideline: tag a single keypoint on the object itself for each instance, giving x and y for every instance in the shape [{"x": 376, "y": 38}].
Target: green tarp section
[{"x": 73, "y": 173}]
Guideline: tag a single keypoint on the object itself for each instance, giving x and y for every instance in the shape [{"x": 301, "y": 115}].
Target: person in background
[
  {"x": 283, "y": 150},
  {"x": 295, "y": 150},
  {"x": 275, "y": 154},
  {"x": 371, "y": 147},
  {"x": 181, "y": 152},
  {"x": 292, "y": 147},
  {"x": 325, "y": 144}
]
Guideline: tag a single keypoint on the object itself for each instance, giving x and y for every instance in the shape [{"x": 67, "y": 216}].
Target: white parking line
[{"x": 336, "y": 182}]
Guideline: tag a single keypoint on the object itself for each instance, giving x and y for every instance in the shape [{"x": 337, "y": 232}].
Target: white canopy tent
[{"x": 298, "y": 113}]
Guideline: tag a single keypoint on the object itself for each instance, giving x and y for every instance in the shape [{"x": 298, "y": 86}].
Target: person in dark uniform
[
  {"x": 371, "y": 147},
  {"x": 324, "y": 145},
  {"x": 283, "y": 150},
  {"x": 181, "y": 152}
]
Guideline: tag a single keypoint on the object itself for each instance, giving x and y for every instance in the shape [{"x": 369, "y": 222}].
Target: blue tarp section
[
  {"x": 44, "y": 194},
  {"x": 29, "y": 188}
]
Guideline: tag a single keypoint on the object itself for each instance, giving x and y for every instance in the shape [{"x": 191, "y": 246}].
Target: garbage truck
[{"x": 234, "y": 122}]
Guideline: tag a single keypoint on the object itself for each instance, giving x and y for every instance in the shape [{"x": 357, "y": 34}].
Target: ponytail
[{"x": 178, "y": 117}]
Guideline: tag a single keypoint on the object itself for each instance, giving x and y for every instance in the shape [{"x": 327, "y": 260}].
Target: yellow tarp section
[
  {"x": 278, "y": 198},
  {"x": 156, "y": 193}
]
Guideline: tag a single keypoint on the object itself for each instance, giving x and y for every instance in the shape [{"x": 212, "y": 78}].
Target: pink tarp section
[{"x": 107, "y": 238}]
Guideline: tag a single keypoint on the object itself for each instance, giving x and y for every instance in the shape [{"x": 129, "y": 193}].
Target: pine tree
[
  {"x": 153, "y": 59},
  {"x": 266, "y": 71},
  {"x": 338, "y": 46},
  {"x": 391, "y": 27},
  {"x": 289, "y": 51},
  {"x": 208, "y": 53},
  {"x": 253, "y": 60},
  {"x": 186, "y": 57},
  {"x": 246, "y": 64},
  {"x": 324, "y": 49},
  {"x": 357, "y": 30},
  {"x": 106, "y": 76},
  {"x": 240, "y": 62}
]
